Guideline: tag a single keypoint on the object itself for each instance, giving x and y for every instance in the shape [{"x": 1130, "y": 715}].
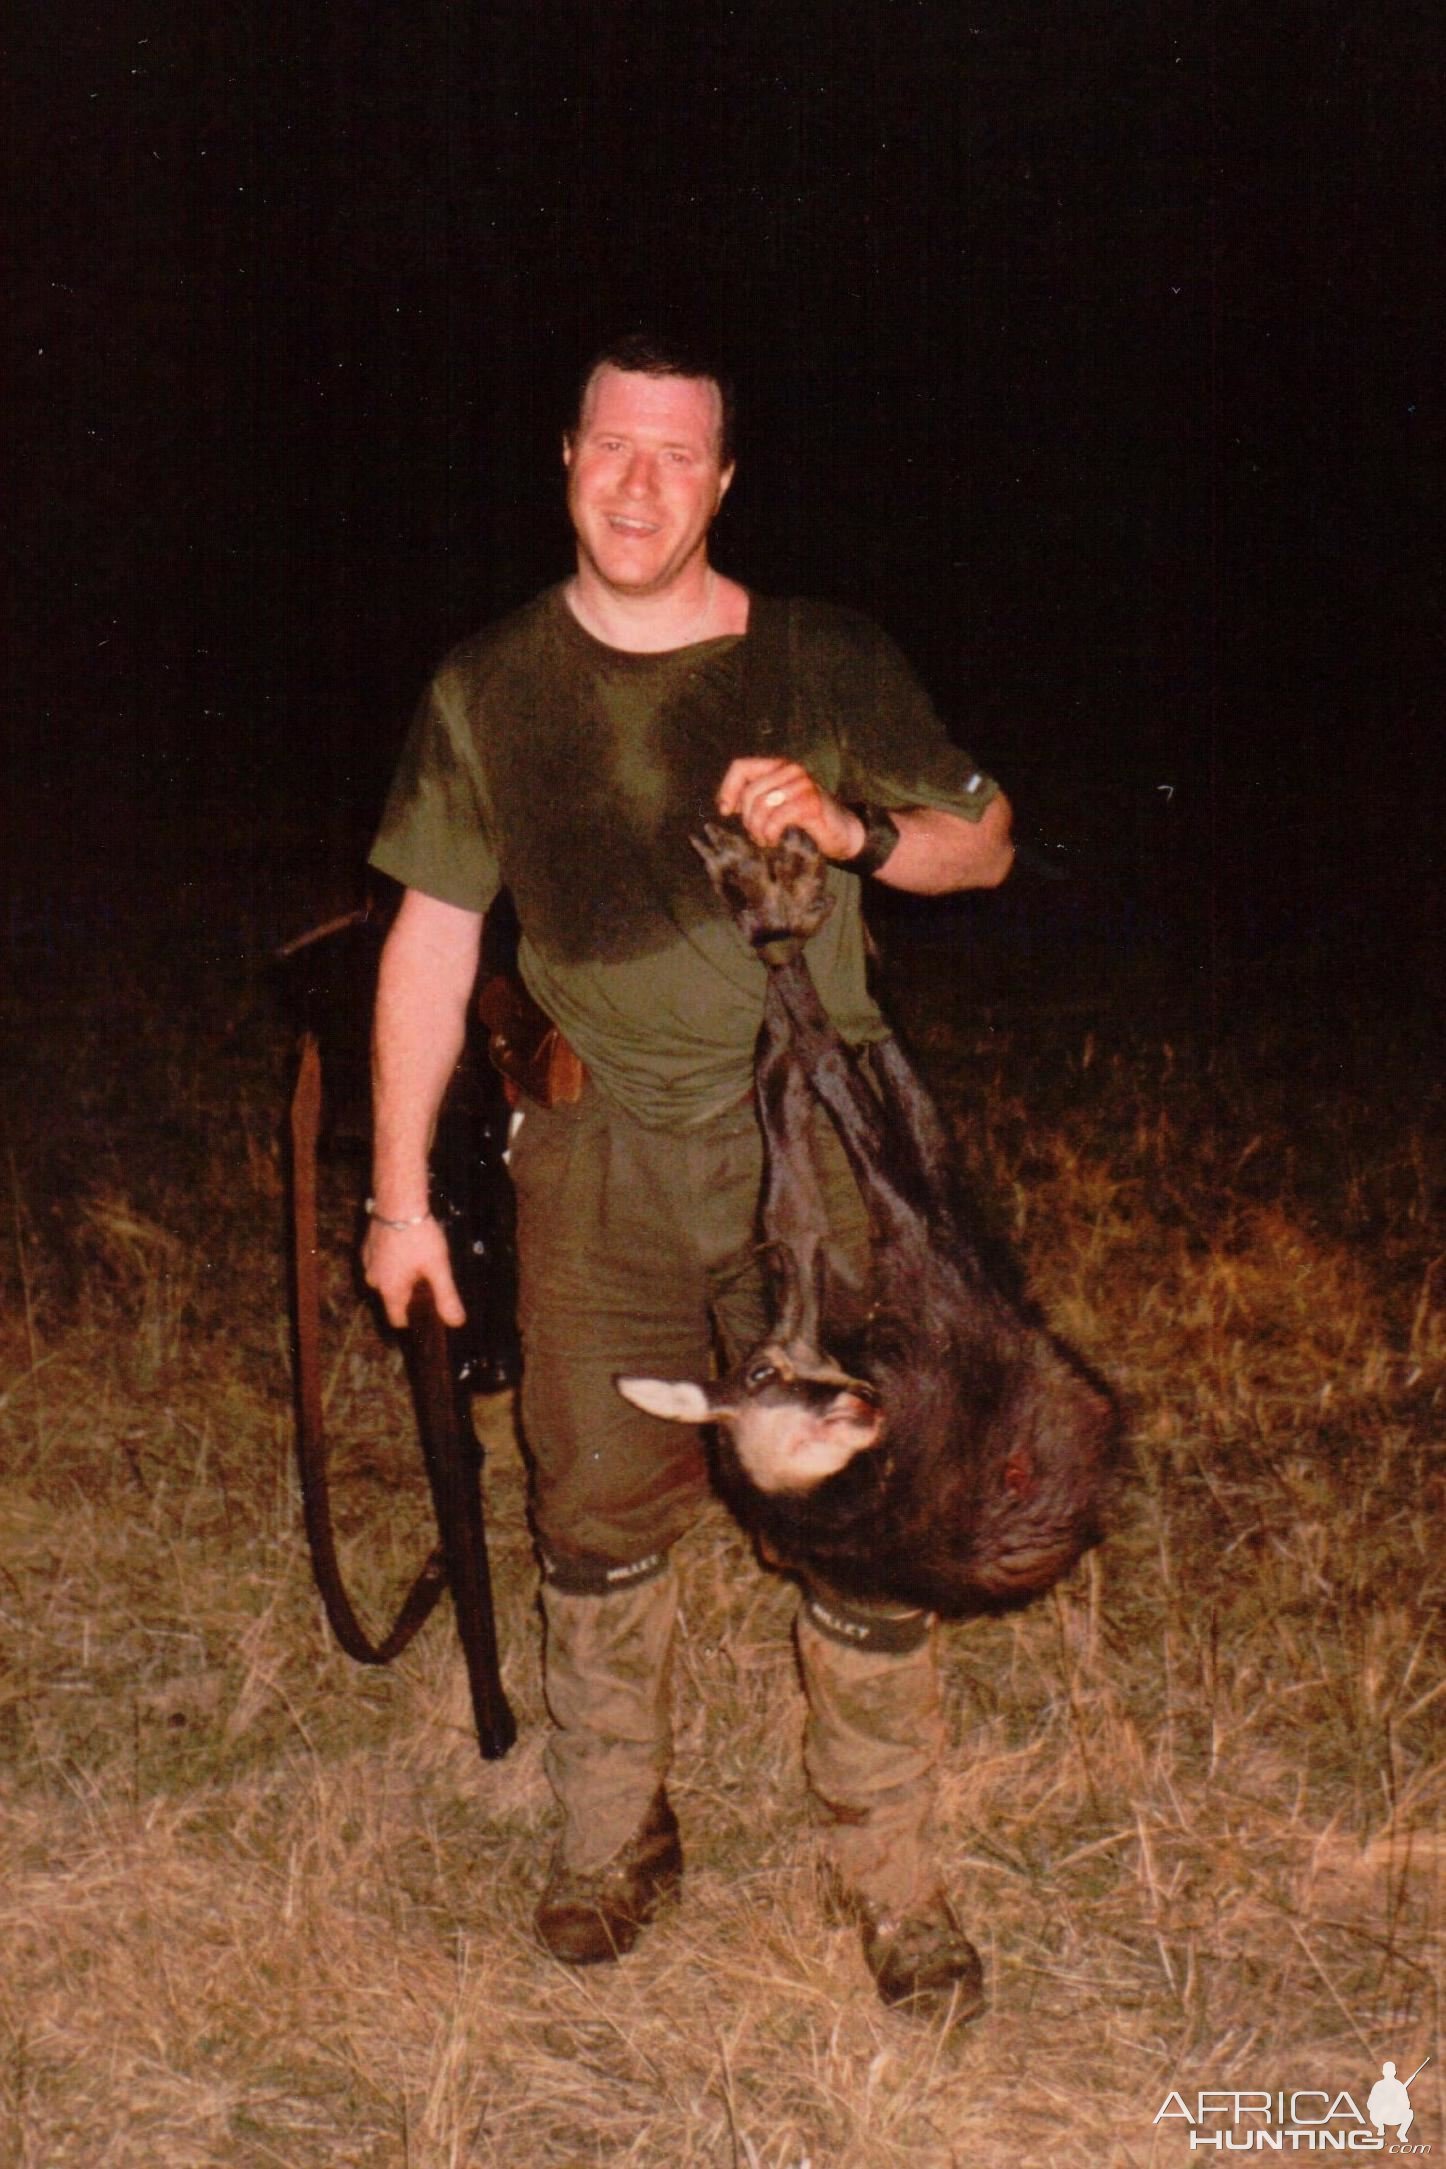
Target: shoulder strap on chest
[{"x": 767, "y": 691}]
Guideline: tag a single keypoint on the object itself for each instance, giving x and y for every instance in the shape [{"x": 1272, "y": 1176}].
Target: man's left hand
[{"x": 769, "y": 795}]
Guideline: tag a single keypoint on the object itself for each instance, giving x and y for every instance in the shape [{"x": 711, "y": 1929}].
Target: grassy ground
[{"x": 261, "y": 1907}]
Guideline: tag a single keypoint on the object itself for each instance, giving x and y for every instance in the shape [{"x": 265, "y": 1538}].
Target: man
[
  {"x": 1389, "y": 2102},
  {"x": 568, "y": 753}
]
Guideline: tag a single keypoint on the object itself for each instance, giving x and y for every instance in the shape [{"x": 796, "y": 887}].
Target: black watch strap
[{"x": 881, "y": 834}]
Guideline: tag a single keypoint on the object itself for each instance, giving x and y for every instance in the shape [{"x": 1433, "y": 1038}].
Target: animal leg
[
  {"x": 893, "y": 1185},
  {"x": 795, "y": 1220},
  {"x": 910, "y": 1114},
  {"x": 778, "y": 897}
]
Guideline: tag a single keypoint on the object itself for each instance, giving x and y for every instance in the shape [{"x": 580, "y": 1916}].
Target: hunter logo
[
  {"x": 1304, "y": 2120},
  {"x": 1389, "y": 2102}
]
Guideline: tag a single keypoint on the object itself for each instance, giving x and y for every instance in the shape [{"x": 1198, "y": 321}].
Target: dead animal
[{"x": 953, "y": 1453}]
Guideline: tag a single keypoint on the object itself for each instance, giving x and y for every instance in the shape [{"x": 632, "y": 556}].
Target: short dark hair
[{"x": 648, "y": 354}]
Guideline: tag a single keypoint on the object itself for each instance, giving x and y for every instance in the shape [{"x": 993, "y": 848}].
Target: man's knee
[{"x": 614, "y": 1500}]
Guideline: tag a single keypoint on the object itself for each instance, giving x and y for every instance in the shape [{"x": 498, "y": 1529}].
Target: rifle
[
  {"x": 441, "y": 1369},
  {"x": 454, "y": 1468}
]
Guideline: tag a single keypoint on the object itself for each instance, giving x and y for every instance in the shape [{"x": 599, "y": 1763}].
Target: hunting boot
[
  {"x": 872, "y": 1746},
  {"x": 606, "y": 1666}
]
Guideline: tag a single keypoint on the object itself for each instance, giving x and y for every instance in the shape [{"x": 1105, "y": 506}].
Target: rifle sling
[{"x": 310, "y": 1428}]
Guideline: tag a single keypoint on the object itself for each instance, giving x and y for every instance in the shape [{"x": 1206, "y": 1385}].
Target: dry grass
[{"x": 260, "y": 1907}]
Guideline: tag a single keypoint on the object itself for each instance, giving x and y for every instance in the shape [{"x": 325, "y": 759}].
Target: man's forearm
[
  {"x": 936, "y": 851},
  {"x": 427, "y": 971},
  {"x": 939, "y": 852}
]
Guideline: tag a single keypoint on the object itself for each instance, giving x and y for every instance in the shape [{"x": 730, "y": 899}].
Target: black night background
[
  {"x": 1093, "y": 347},
  {"x": 1093, "y": 350}
]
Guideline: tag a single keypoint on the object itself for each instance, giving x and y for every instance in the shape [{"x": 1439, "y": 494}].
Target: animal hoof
[{"x": 778, "y": 893}]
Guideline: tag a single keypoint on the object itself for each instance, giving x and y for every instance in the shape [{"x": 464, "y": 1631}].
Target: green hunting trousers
[
  {"x": 638, "y": 1256},
  {"x": 637, "y": 1253}
]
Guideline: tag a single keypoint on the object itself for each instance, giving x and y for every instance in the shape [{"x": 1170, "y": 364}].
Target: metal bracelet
[{"x": 396, "y": 1225}]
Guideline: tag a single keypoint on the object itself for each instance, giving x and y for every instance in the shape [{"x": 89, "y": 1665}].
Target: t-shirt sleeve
[
  {"x": 894, "y": 749},
  {"x": 433, "y": 833}
]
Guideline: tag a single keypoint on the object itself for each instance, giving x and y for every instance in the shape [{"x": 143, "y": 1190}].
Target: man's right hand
[
  {"x": 429, "y": 961},
  {"x": 395, "y": 1259}
]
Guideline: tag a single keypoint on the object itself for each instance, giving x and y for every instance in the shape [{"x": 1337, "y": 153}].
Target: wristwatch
[{"x": 881, "y": 834}]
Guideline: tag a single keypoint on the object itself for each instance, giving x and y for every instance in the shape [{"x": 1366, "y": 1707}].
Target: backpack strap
[{"x": 767, "y": 690}]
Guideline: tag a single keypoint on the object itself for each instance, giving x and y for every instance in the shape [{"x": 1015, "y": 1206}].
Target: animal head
[{"x": 794, "y": 1417}]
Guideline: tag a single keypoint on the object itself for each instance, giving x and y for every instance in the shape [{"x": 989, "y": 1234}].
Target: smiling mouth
[{"x": 622, "y": 525}]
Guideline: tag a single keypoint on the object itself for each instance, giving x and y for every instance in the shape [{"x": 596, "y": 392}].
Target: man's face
[{"x": 643, "y": 477}]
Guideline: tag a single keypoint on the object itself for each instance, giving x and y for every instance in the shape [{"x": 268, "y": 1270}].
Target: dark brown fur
[{"x": 986, "y": 1482}]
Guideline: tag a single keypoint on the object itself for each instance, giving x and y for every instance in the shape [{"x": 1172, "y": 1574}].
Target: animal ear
[{"x": 680, "y": 1400}]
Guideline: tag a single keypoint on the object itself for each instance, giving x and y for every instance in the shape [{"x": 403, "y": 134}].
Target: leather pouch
[{"x": 526, "y": 1047}]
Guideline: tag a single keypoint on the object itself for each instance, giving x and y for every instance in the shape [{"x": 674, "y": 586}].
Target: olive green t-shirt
[{"x": 574, "y": 774}]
